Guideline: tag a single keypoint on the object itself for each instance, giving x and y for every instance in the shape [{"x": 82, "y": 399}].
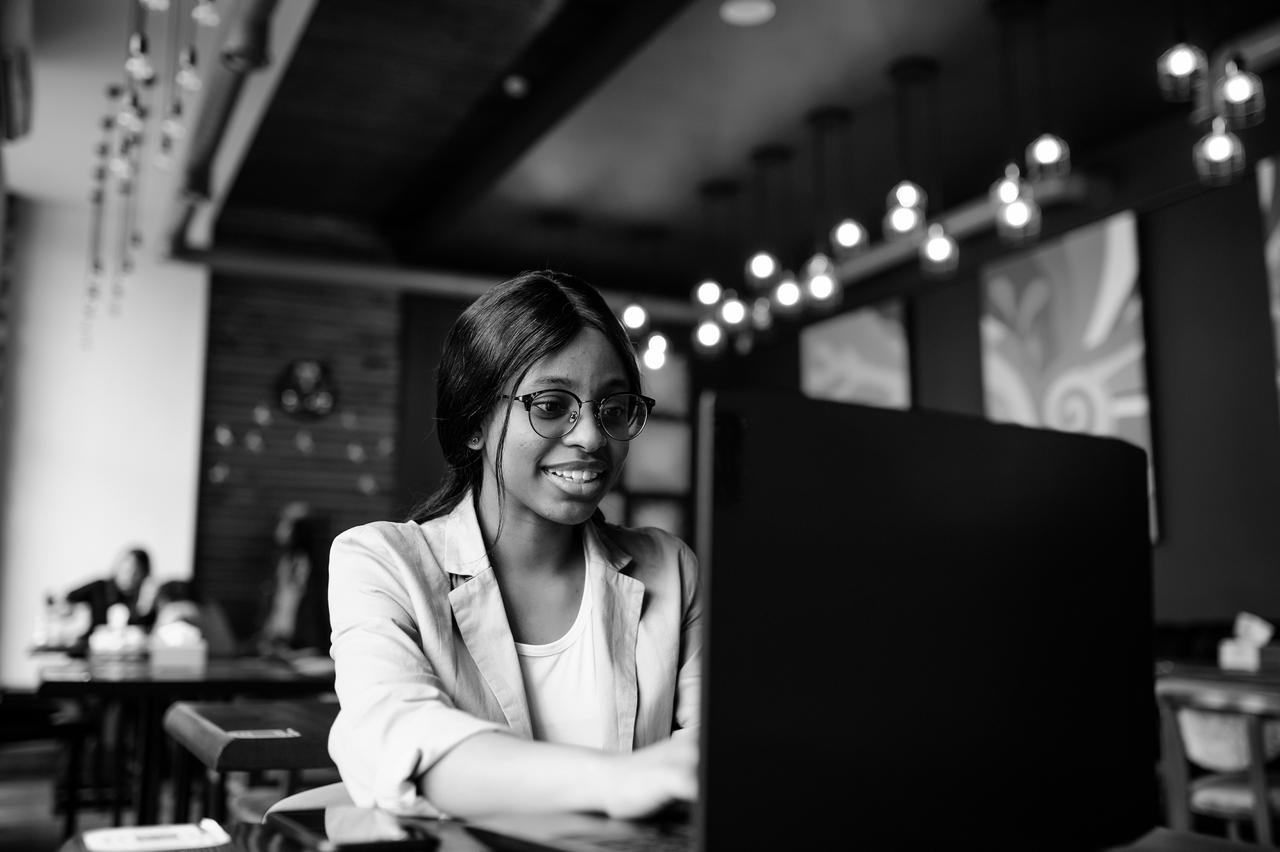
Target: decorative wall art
[
  {"x": 859, "y": 356},
  {"x": 1268, "y": 184},
  {"x": 1062, "y": 340}
]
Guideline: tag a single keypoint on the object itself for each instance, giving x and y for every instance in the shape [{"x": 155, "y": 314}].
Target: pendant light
[
  {"x": 717, "y": 197},
  {"x": 907, "y": 203},
  {"x": 821, "y": 286},
  {"x": 1017, "y": 215},
  {"x": 1181, "y": 71},
  {"x": 763, "y": 269},
  {"x": 1218, "y": 156},
  {"x": 1239, "y": 95},
  {"x": 939, "y": 253},
  {"x": 1048, "y": 155}
]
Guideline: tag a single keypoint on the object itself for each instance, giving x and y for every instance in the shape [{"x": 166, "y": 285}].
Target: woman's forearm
[{"x": 496, "y": 771}]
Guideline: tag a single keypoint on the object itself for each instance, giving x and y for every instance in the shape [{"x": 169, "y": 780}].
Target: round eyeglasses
[{"x": 554, "y": 413}]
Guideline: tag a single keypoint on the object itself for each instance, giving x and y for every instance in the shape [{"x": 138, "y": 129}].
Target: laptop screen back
[{"x": 921, "y": 627}]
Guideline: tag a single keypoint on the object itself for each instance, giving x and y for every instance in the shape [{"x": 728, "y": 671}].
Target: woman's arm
[{"x": 496, "y": 771}]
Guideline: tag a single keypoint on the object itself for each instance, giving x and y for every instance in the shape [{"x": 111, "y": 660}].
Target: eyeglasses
[{"x": 554, "y": 413}]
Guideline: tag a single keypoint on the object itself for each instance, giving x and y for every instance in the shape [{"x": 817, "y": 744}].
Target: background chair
[
  {"x": 1217, "y": 739},
  {"x": 27, "y": 718}
]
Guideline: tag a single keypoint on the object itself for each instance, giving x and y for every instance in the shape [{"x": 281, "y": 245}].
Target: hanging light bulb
[
  {"x": 1180, "y": 70},
  {"x": 761, "y": 269},
  {"x": 848, "y": 237},
  {"x": 1048, "y": 156},
  {"x": 787, "y": 297},
  {"x": 907, "y": 194},
  {"x": 206, "y": 14},
  {"x": 1017, "y": 213},
  {"x": 939, "y": 254},
  {"x": 762, "y": 314},
  {"x": 708, "y": 337},
  {"x": 174, "y": 126},
  {"x": 1218, "y": 156},
  {"x": 655, "y": 351},
  {"x": 1008, "y": 188},
  {"x": 635, "y": 318},
  {"x": 129, "y": 116},
  {"x": 821, "y": 286},
  {"x": 1019, "y": 220},
  {"x": 164, "y": 157},
  {"x": 901, "y": 222},
  {"x": 188, "y": 77},
  {"x": 138, "y": 66},
  {"x": 708, "y": 292},
  {"x": 732, "y": 311},
  {"x": 1241, "y": 96}
]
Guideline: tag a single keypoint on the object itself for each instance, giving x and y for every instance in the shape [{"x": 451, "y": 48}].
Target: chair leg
[{"x": 71, "y": 807}]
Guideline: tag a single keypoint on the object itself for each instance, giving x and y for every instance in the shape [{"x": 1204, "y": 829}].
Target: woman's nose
[{"x": 586, "y": 432}]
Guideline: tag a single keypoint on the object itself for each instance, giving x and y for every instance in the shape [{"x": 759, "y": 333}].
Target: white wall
[{"x": 102, "y": 431}]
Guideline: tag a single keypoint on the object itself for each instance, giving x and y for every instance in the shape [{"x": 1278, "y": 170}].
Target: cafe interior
[{"x": 236, "y": 232}]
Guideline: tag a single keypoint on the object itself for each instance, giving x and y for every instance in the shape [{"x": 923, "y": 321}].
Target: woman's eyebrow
[{"x": 564, "y": 382}]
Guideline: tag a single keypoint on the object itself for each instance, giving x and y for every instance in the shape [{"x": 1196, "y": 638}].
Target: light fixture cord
[{"x": 1047, "y": 116}]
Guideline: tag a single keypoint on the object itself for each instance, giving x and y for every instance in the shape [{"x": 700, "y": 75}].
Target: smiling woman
[{"x": 493, "y": 653}]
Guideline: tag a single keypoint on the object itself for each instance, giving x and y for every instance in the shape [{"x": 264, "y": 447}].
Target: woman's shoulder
[{"x": 392, "y": 542}]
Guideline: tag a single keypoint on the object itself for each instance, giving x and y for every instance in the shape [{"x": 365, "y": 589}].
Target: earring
[{"x": 474, "y": 443}]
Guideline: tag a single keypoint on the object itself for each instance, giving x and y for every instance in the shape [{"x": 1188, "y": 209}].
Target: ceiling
[{"x": 392, "y": 135}]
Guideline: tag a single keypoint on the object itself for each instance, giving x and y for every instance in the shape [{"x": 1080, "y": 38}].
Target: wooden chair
[{"x": 1227, "y": 732}]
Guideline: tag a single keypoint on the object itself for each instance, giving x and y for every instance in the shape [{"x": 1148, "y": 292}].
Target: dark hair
[
  {"x": 496, "y": 339},
  {"x": 142, "y": 559}
]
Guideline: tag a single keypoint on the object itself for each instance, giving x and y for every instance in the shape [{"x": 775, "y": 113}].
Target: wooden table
[
  {"x": 144, "y": 693},
  {"x": 244, "y": 736}
]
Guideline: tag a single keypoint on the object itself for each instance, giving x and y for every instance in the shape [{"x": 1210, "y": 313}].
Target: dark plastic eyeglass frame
[{"x": 527, "y": 400}]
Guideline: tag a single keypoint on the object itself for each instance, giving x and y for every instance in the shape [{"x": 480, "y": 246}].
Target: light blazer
[{"x": 425, "y": 658}]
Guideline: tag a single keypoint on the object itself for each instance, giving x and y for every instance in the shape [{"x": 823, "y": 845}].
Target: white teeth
[{"x": 576, "y": 475}]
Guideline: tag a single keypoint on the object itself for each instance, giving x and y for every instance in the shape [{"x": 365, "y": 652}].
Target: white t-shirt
[{"x": 560, "y": 682}]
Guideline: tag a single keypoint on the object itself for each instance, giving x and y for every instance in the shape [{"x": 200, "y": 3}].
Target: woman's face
[{"x": 560, "y": 480}]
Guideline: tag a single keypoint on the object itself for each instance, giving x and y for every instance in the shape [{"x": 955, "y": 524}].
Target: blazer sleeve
[
  {"x": 395, "y": 718},
  {"x": 688, "y": 713}
]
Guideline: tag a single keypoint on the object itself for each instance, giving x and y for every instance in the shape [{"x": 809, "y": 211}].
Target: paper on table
[{"x": 154, "y": 838}]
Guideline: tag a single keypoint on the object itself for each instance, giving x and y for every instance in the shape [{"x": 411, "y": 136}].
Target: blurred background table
[{"x": 143, "y": 693}]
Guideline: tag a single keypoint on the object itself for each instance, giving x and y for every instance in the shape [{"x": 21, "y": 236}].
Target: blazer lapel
[
  {"x": 620, "y": 601},
  {"x": 482, "y": 619}
]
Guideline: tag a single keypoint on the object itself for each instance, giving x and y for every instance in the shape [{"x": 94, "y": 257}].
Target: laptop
[{"x": 919, "y": 628}]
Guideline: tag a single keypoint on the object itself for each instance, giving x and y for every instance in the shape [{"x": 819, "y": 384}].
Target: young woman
[{"x": 507, "y": 649}]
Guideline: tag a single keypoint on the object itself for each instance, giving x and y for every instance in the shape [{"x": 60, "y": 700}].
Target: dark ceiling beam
[
  {"x": 579, "y": 47},
  {"x": 244, "y": 51}
]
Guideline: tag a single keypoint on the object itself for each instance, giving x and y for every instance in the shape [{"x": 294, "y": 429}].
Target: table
[
  {"x": 241, "y": 736},
  {"x": 455, "y": 838},
  {"x": 144, "y": 692}
]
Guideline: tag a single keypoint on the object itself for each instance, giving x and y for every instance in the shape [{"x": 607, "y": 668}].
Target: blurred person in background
[{"x": 296, "y": 620}]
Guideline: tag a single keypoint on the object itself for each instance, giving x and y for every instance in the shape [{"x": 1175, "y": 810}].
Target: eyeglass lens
[{"x": 554, "y": 413}]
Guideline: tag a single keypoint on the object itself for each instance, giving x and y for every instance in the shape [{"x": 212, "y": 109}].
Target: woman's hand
[{"x": 646, "y": 780}]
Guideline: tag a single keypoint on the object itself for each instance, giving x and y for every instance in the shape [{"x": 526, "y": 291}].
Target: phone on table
[{"x": 347, "y": 828}]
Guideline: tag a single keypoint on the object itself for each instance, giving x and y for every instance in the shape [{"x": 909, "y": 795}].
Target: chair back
[{"x": 1223, "y": 727}]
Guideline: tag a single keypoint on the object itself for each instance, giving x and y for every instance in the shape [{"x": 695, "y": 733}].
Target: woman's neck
[{"x": 529, "y": 543}]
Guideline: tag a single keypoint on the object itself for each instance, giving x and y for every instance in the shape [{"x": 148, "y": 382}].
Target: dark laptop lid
[{"x": 921, "y": 628}]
